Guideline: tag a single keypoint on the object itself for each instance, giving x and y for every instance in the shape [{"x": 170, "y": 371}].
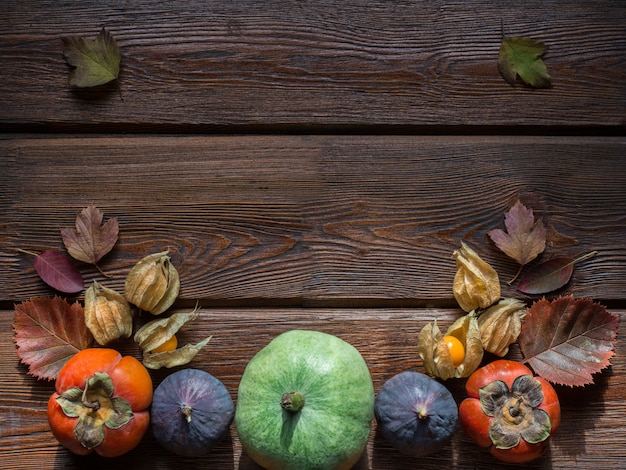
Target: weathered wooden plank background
[
  {"x": 261, "y": 65},
  {"x": 314, "y": 165},
  {"x": 317, "y": 220}
]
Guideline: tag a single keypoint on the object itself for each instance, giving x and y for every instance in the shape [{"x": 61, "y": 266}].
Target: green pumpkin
[{"x": 305, "y": 401}]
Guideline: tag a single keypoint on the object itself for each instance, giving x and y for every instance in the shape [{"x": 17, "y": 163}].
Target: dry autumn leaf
[
  {"x": 48, "y": 331},
  {"x": 550, "y": 275},
  {"x": 568, "y": 340},
  {"x": 522, "y": 57},
  {"x": 56, "y": 270},
  {"x": 524, "y": 239},
  {"x": 91, "y": 239},
  {"x": 97, "y": 61}
]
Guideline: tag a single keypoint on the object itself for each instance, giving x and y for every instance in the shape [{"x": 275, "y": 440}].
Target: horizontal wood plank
[
  {"x": 592, "y": 429},
  {"x": 314, "y": 220},
  {"x": 314, "y": 66}
]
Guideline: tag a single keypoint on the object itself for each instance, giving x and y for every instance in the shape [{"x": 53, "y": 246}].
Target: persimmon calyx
[
  {"x": 95, "y": 407},
  {"x": 515, "y": 412}
]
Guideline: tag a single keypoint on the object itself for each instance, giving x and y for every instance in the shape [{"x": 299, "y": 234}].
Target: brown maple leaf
[
  {"x": 568, "y": 340},
  {"x": 48, "y": 331},
  {"x": 91, "y": 239},
  {"x": 524, "y": 239}
]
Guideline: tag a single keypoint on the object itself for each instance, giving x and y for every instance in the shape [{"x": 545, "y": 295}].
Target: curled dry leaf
[
  {"x": 91, "y": 239},
  {"x": 48, "y": 331},
  {"x": 568, "y": 340}
]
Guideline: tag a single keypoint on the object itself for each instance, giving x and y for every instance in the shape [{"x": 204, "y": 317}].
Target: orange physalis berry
[{"x": 457, "y": 351}]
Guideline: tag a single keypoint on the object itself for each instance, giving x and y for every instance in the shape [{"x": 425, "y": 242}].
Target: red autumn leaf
[
  {"x": 58, "y": 271},
  {"x": 568, "y": 340},
  {"x": 91, "y": 239},
  {"x": 524, "y": 238},
  {"x": 547, "y": 276},
  {"x": 550, "y": 275},
  {"x": 48, "y": 331}
]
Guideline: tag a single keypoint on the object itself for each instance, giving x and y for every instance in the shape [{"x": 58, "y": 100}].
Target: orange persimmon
[{"x": 101, "y": 403}]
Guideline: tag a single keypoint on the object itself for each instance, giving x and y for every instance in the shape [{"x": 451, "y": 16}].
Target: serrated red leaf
[
  {"x": 58, "y": 271},
  {"x": 91, "y": 239},
  {"x": 547, "y": 276},
  {"x": 48, "y": 331},
  {"x": 568, "y": 340}
]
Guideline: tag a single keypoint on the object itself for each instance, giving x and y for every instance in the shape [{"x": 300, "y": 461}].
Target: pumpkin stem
[{"x": 292, "y": 401}]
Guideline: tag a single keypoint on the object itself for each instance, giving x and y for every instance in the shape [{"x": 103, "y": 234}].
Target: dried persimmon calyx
[{"x": 515, "y": 412}]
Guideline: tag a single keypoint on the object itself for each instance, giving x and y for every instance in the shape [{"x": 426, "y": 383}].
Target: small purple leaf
[
  {"x": 547, "y": 276},
  {"x": 59, "y": 272}
]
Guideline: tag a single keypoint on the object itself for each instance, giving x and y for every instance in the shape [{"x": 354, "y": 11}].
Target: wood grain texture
[
  {"x": 314, "y": 220},
  {"x": 592, "y": 428},
  {"x": 386, "y": 66},
  {"x": 314, "y": 165}
]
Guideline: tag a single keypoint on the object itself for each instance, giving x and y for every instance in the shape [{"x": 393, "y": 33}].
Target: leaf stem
[
  {"x": 516, "y": 275},
  {"x": 591, "y": 254},
  {"x": 19, "y": 250},
  {"x": 580, "y": 258},
  {"x": 101, "y": 271}
]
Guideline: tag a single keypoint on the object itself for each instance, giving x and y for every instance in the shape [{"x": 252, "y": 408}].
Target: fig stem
[
  {"x": 292, "y": 401},
  {"x": 186, "y": 411}
]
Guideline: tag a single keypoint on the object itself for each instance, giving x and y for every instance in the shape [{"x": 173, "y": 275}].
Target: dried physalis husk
[
  {"x": 157, "y": 332},
  {"x": 476, "y": 284},
  {"x": 153, "y": 283},
  {"x": 500, "y": 325},
  {"x": 107, "y": 314},
  {"x": 435, "y": 352}
]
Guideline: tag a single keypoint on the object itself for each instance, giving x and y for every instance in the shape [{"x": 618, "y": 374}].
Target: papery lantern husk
[
  {"x": 476, "y": 284},
  {"x": 435, "y": 353},
  {"x": 153, "y": 283},
  {"x": 107, "y": 314},
  {"x": 156, "y": 332},
  {"x": 500, "y": 325}
]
